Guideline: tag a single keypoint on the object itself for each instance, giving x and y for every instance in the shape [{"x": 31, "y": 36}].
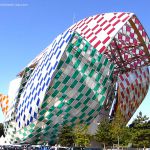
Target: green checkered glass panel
[{"x": 78, "y": 90}]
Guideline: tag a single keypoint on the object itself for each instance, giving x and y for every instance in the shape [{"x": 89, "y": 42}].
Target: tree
[
  {"x": 103, "y": 134},
  {"x": 1, "y": 129},
  {"x": 120, "y": 133},
  {"x": 126, "y": 136},
  {"x": 66, "y": 136},
  {"x": 141, "y": 138},
  {"x": 140, "y": 120},
  {"x": 81, "y": 136},
  {"x": 141, "y": 131}
]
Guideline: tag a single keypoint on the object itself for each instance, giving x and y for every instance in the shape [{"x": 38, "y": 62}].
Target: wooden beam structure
[{"x": 140, "y": 38}]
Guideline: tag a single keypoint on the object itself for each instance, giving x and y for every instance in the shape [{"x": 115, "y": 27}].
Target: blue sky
[{"x": 28, "y": 26}]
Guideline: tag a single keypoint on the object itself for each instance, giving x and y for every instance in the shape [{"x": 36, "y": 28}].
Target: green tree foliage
[
  {"x": 103, "y": 134},
  {"x": 116, "y": 132},
  {"x": 66, "y": 136},
  {"x": 126, "y": 136},
  {"x": 141, "y": 131},
  {"x": 120, "y": 133},
  {"x": 1, "y": 129},
  {"x": 81, "y": 136},
  {"x": 140, "y": 120}
]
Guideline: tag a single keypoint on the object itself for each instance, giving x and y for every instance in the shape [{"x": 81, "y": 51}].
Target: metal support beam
[{"x": 140, "y": 38}]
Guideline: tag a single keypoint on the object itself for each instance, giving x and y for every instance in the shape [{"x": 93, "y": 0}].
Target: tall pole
[{"x": 118, "y": 142}]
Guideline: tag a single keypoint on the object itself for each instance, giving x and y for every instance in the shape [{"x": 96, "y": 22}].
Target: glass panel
[
  {"x": 90, "y": 113},
  {"x": 105, "y": 62},
  {"x": 73, "y": 119},
  {"x": 64, "y": 89},
  {"x": 70, "y": 48},
  {"x": 86, "y": 47},
  {"x": 81, "y": 88},
  {"x": 83, "y": 78},
  {"x": 84, "y": 68},
  {"x": 111, "y": 66},
  {"x": 77, "y": 53},
  {"x": 58, "y": 74},
  {"x": 77, "y": 105},
  {"x": 78, "y": 42},
  {"x": 68, "y": 109},
  {"x": 70, "y": 101},
  {"x": 74, "y": 84},
  {"x": 99, "y": 57},
  {"x": 91, "y": 73},
  {"x": 84, "y": 108},
  {"x": 99, "y": 67},
  {"x": 104, "y": 81},
  {"x": 98, "y": 77},
  {"x": 41, "y": 118},
  {"x": 77, "y": 63},
  {"x": 93, "y": 52},
  {"x": 88, "y": 92},
  {"x": 75, "y": 74},
  {"x": 93, "y": 61},
  {"x": 79, "y": 97},
  {"x": 103, "y": 90},
  {"x": 96, "y": 87},
  {"x": 95, "y": 96},
  {"x": 55, "y": 93},
  {"x": 69, "y": 58},
  {"x": 49, "y": 116},
  {"x": 61, "y": 105},
  {"x": 42, "y": 112},
  {"x": 59, "y": 113},
  {"x": 60, "y": 64},
  {"x": 82, "y": 116},
  {"x": 66, "y": 79},
  {"x": 56, "y": 84}
]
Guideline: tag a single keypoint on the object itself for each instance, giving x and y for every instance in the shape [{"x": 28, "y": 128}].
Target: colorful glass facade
[{"x": 98, "y": 60}]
